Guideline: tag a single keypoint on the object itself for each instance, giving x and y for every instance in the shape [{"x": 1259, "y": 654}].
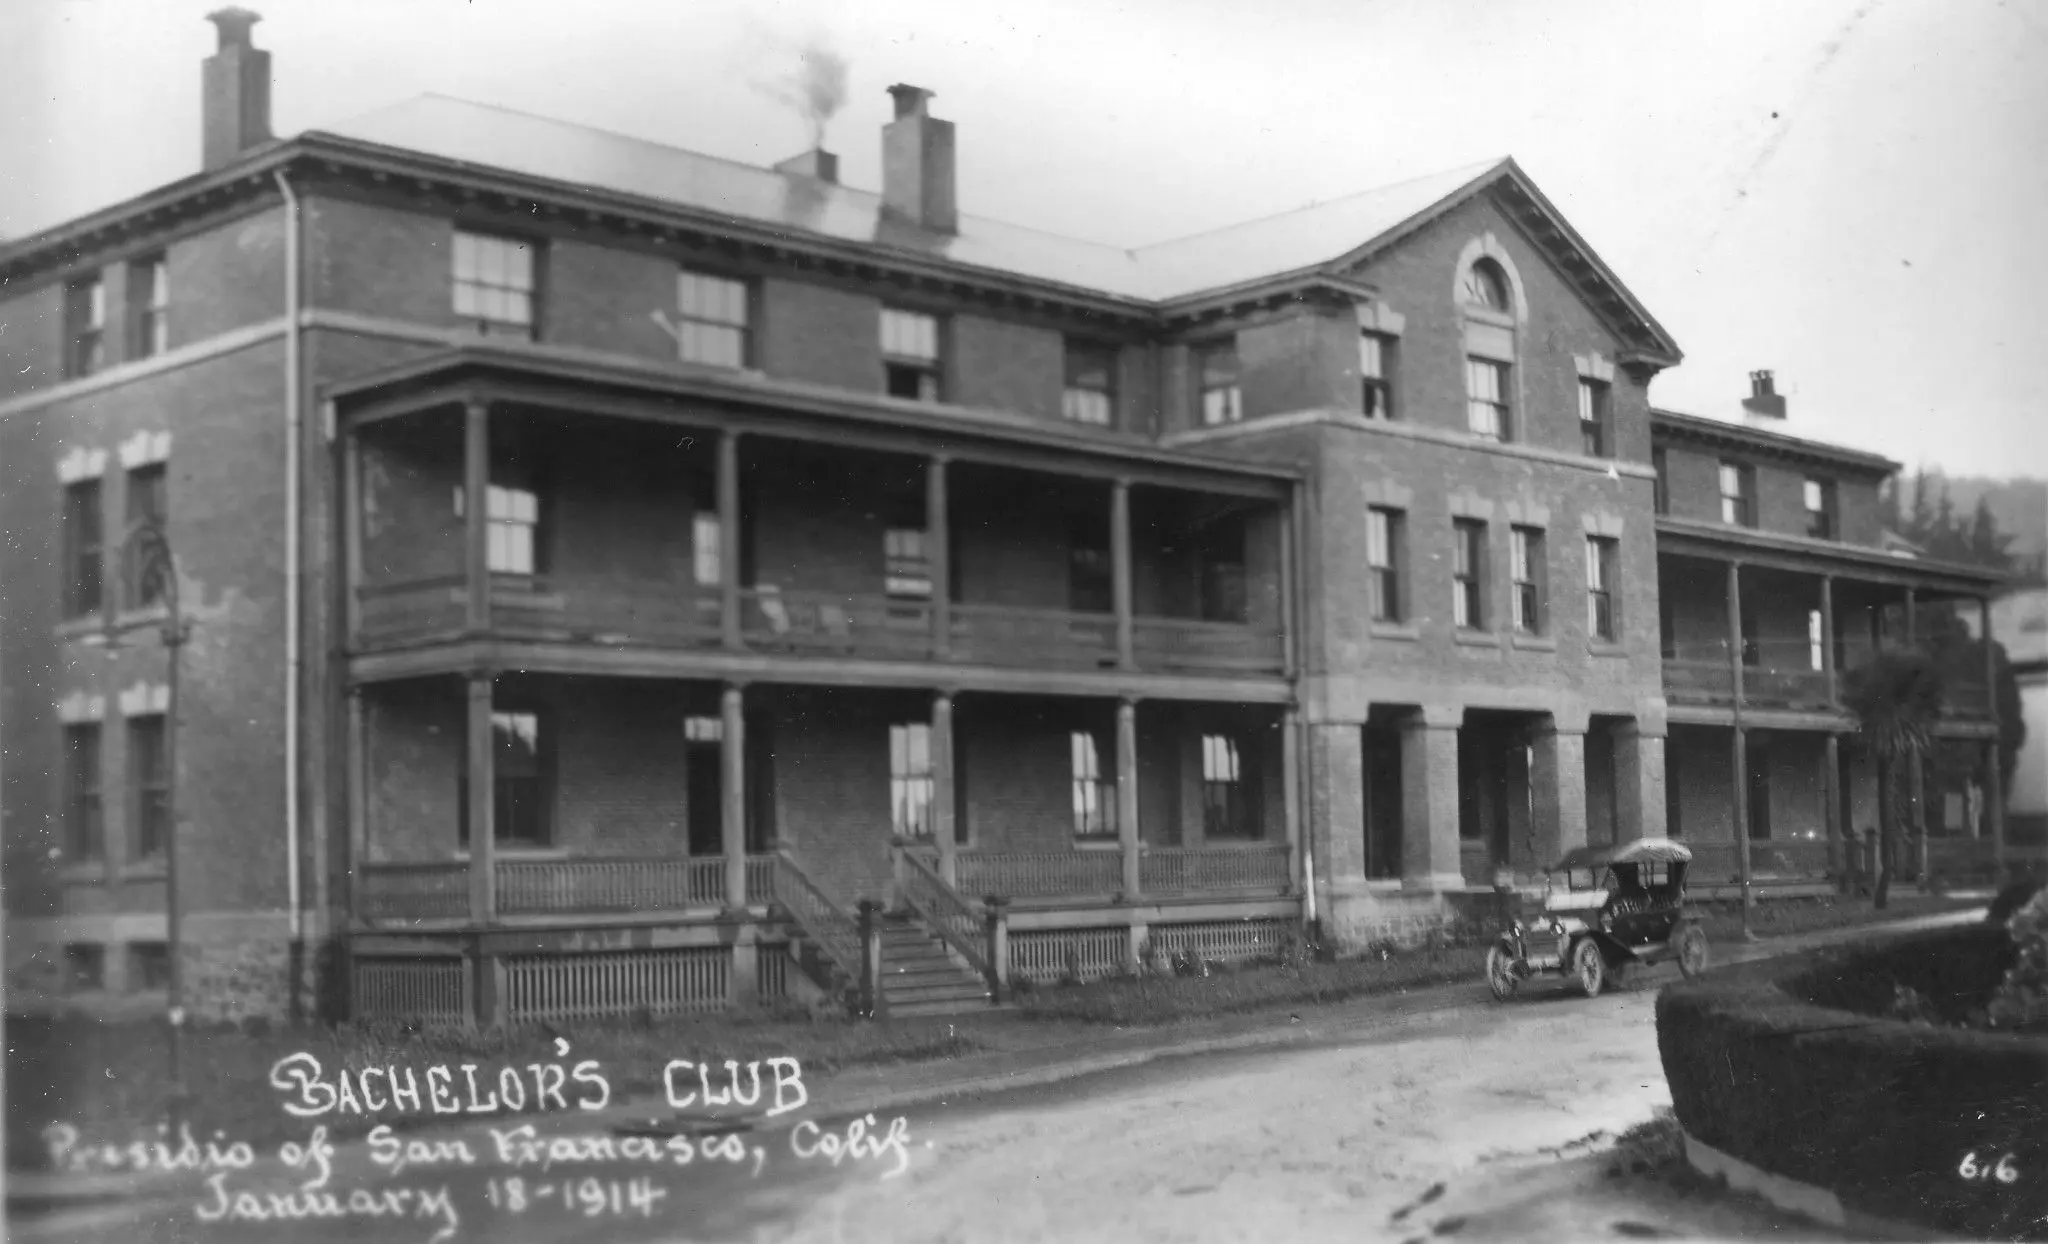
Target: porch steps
[{"x": 919, "y": 977}]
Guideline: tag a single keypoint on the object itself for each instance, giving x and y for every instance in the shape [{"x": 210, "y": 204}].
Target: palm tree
[{"x": 1896, "y": 698}]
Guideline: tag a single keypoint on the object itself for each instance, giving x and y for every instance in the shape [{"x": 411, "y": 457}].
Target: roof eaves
[{"x": 1719, "y": 431}]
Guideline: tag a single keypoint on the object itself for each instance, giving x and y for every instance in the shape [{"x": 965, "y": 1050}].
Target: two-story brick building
[{"x": 832, "y": 546}]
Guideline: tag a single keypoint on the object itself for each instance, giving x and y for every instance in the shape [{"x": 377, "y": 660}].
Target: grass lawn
[{"x": 1780, "y": 917}]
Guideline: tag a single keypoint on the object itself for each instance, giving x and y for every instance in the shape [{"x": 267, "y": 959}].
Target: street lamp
[{"x": 148, "y": 548}]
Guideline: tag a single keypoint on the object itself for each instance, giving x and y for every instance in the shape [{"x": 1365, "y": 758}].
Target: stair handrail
[
  {"x": 822, "y": 921},
  {"x": 944, "y": 910}
]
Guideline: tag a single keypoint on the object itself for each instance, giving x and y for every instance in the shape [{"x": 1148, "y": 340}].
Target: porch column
[
  {"x": 1912, "y": 621},
  {"x": 352, "y": 532},
  {"x": 1639, "y": 776},
  {"x": 1127, "y": 791},
  {"x": 1557, "y": 778},
  {"x": 1738, "y": 773},
  {"x": 358, "y": 792},
  {"x": 1429, "y": 798},
  {"x": 476, "y": 515},
  {"x": 1120, "y": 567},
  {"x": 732, "y": 803},
  {"x": 729, "y": 537},
  {"x": 1827, "y": 636},
  {"x": 943, "y": 832},
  {"x": 1831, "y": 806},
  {"x": 1290, "y": 795},
  {"x": 938, "y": 554},
  {"x": 483, "y": 820},
  {"x": 1336, "y": 801}
]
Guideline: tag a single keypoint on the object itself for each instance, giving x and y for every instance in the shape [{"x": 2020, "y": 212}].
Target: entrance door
[{"x": 705, "y": 775}]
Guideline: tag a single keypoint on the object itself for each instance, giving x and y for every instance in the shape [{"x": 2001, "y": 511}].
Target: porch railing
[
  {"x": 1698, "y": 680},
  {"x": 400, "y": 613},
  {"x": 1010, "y": 635},
  {"x": 1209, "y": 870},
  {"x": 1956, "y": 856},
  {"x": 1186, "y": 644},
  {"x": 1039, "y": 874},
  {"x": 534, "y": 887},
  {"x": 425, "y": 890},
  {"x": 836, "y": 623},
  {"x": 651, "y": 613},
  {"x": 1791, "y": 688},
  {"x": 1770, "y": 859},
  {"x": 833, "y": 931},
  {"x": 942, "y": 908}
]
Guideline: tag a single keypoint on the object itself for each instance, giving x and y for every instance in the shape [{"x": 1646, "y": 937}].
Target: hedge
[{"x": 1773, "y": 1066}]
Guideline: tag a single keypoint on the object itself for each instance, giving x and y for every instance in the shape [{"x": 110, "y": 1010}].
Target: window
[
  {"x": 514, "y": 515},
  {"x": 1600, "y": 573},
  {"x": 1383, "y": 561},
  {"x": 84, "y": 824},
  {"x": 1816, "y": 653},
  {"x": 522, "y": 812},
  {"x": 494, "y": 283},
  {"x": 1485, "y": 287},
  {"x": 707, "y": 549},
  {"x": 703, "y": 730},
  {"x": 1468, "y": 573},
  {"x": 1737, "y": 491},
  {"x": 1090, "y": 395},
  {"x": 81, "y": 548},
  {"x": 1227, "y": 810},
  {"x": 1593, "y": 418},
  {"x": 85, "y": 324},
  {"x": 1216, "y": 379},
  {"x": 1661, "y": 495},
  {"x": 85, "y": 967},
  {"x": 1378, "y": 396},
  {"x": 149, "y": 301},
  {"x": 1526, "y": 547},
  {"x": 908, "y": 563},
  {"x": 1094, "y": 797},
  {"x": 1820, "y": 509},
  {"x": 148, "y": 786},
  {"x": 1486, "y": 403},
  {"x": 910, "y": 780},
  {"x": 149, "y": 966},
  {"x": 149, "y": 505},
  {"x": 910, "y": 355},
  {"x": 713, "y": 310}
]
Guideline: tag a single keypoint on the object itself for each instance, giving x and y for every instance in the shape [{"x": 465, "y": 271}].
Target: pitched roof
[
  {"x": 1299, "y": 241},
  {"x": 1729, "y": 433}
]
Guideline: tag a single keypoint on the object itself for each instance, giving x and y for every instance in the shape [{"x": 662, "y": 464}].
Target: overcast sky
[{"x": 1850, "y": 192}]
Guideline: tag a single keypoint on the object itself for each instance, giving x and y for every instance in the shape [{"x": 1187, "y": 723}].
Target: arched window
[{"x": 1486, "y": 287}]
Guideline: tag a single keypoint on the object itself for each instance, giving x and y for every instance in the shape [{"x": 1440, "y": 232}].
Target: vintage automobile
[{"x": 1604, "y": 909}]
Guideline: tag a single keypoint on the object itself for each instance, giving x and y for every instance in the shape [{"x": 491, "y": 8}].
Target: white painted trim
[
  {"x": 78, "y": 707},
  {"x": 1381, "y": 427},
  {"x": 81, "y": 463},
  {"x": 1601, "y": 523},
  {"x": 1595, "y": 366},
  {"x": 127, "y": 373},
  {"x": 145, "y": 449},
  {"x": 1378, "y": 317},
  {"x": 145, "y": 699},
  {"x": 1487, "y": 246}
]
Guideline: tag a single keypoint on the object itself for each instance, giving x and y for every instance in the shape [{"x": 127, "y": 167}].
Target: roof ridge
[{"x": 1476, "y": 169}]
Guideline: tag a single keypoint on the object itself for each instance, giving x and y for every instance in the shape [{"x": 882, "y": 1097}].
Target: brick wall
[
  {"x": 1693, "y": 476},
  {"x": 225, "y": 277},
  {"x": 1006, "y": 366},
  {"x": 31, "y": 337},
  {"x": 604, "y": 297},
  {"x": 832, "y": 784},
  {"x": 1017, "y": 772},
  {"x": 1300, "y": 360},
  {"x": 820, "y": 333},
  {"x": 379, "y": 260},
  {"x": 1698, "y": 765}
]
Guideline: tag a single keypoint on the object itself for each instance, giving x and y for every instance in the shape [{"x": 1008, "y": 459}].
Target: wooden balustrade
[
  {"x": 1183, "y": 644},
  {"x": 836, "y": 623},
  {"x": 1788, "y": 859},
  {"x": 648, "y": 614},
  {"x": 1039, "y": 874},
  {"x": 1699, "y": 680},
  {"x": 831, "y": 930},
  {"x": 1010, "y": 635},
  {"x": 1210, "y": 870},
  {"x": 623, "y": 884},
  {"x": 1785, "y": 688},
  {"x": 943, "y": 909},
  {"x": 395, "y": 614}
]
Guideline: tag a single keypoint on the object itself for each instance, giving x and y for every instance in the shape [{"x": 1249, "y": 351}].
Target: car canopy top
[{"x": 1641, "y": 851}]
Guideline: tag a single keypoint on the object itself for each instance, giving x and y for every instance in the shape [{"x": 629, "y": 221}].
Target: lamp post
[{"x": 149, "y": 548}]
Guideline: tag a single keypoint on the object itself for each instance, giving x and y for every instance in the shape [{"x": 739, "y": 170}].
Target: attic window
[{"x": 1485, "y": 287}]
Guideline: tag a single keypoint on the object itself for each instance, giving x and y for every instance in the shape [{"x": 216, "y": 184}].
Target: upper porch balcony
[{"x": 777, "y": 541}]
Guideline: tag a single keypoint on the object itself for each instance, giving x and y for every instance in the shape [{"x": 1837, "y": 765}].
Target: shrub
[
  {"x": 1883, "y": 1113},
  {"x": 2021, "y": 1000}
]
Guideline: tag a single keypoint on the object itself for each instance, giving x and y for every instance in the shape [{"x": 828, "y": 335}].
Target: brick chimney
[
  {"x": 236, "y": 104},
  {"x": 917, "y": 163},
  {"x": 1763, "y": 402},
  {"x": 817, "y": 163}
]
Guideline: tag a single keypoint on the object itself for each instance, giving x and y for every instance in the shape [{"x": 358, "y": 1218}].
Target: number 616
[{"x": 2004, "y": 1172}]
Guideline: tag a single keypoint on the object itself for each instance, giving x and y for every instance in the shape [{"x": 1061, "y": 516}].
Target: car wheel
[
  {"x": 1500, "y": 974},
  {"x": 1692, "y": 950},
  {"x": 1590, "y": 967}
]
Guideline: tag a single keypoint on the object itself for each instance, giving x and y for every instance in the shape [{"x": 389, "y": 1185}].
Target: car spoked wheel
[
  {"x": 1590, "y": 968},
  {"x": 1500, "y": 974},
  {"x": 1692, "y": 950}
]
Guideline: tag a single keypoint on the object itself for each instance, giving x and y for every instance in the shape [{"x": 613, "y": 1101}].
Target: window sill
[
  {"x": 1603, "y": 648},
  {"x": 84, "y": 872},
  {"x": 131, "y": 619},
  {"x": 1395, "y": 630},
  {"x": 1478, "y": 639},
  {"x": 1535, "y": 643},
  {"x": 85, "y": 624},
  {"x": 1483, "y": 315}
]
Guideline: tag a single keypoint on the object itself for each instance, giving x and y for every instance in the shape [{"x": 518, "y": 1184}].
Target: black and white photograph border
[{"x": 779, "y": 621}]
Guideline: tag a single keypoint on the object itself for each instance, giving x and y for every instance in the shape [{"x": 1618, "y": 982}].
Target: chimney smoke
[{"x": 815, "y": 88}]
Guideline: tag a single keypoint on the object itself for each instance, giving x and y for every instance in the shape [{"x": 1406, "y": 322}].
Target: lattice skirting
[
  {"x": 437, "y": 992},
  {"x": 421, "y": 991},
  {"x": 1223, "y": 941},
  {"x": 1047, "y": 956}
]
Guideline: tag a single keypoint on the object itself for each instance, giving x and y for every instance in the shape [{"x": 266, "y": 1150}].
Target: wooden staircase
[{"x": 919, "y": 976}]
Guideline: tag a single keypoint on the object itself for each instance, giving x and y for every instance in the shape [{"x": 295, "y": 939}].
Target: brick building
[{"x": 838, "y": 546}]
